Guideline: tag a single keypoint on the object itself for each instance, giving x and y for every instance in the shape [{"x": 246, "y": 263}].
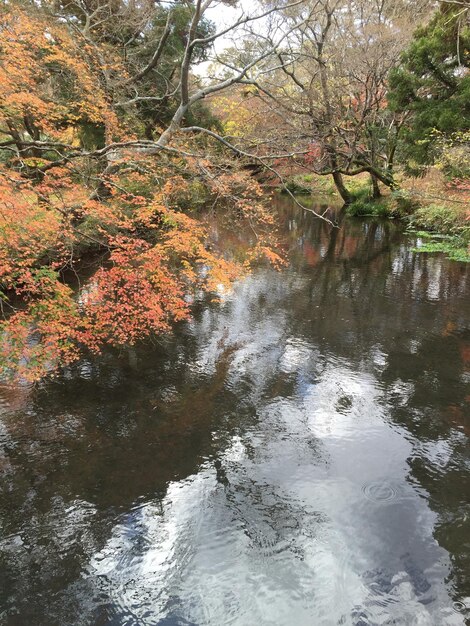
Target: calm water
[{"x": 296, "y": 455}]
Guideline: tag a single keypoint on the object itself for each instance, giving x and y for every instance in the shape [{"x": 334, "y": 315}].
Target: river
[{"x": 297, "y": 454}]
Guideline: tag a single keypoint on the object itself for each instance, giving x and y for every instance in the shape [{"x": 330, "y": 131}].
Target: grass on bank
[{"x": 307, "y": 184}]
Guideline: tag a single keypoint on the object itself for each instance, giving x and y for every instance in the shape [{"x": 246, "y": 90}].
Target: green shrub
[
  {"x": 363, "y": 205},
  {"x": 446, "y": 231},
  {"x": 438, "y": 218},
  {"x": 402, "y": 203},
  {"x": 367, "y": 208}
]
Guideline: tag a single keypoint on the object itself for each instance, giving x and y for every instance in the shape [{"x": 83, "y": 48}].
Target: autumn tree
[
  {"x": 105, "y": 144},
  {"x": 330, "y": 84}
]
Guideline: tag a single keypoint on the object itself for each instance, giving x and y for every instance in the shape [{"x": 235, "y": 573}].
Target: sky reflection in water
[{"x": 295, "y": 455}]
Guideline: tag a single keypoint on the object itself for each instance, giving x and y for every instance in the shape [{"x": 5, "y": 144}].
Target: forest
[{"x": 123, "y": 121}]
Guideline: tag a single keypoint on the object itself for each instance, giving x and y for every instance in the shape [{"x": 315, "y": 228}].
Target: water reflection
[{"x": 295, "y": 455}]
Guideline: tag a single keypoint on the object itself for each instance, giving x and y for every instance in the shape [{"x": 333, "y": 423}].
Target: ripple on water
[
  {"x": 380, "y": 492},
  {"x": 459, "y": 607}
]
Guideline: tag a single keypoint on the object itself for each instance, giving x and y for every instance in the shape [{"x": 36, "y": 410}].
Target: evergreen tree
[{"x": 432, "y": 82}]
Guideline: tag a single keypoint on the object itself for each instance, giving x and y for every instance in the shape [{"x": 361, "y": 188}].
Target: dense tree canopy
[
  {"x": 432, "y": 83},
  {"x": 92, "y": 99}
]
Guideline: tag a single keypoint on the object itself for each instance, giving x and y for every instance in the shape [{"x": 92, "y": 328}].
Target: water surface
[{"x": 295, "y": 455}]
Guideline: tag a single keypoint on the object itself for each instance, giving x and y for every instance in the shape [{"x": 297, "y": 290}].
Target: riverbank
[{"x": 431, "y": 206}]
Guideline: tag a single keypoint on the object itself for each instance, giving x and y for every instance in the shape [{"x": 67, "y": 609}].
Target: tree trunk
[
  {"x": 341, "y": 187},
  {"x": 386, "y": 178},
  {"x": 375, "y": 186}
]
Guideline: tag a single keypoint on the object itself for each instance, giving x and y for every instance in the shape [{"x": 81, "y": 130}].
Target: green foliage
[
  {"x": 362, "y": 207},
  {"x": 311, "y": 184},
  {"x": 398, "y": 204},
  {"x": 402, "y": 203},
  {"x": 92, "y": 136},
  {"x": 433, "y": 82},
  {"x": 425, "y": 234},
  {"x": 452, "y": 249},
  {"x": 363, "y": 204},
  {"x": 438, "y": 218},
  {"x": 201, "y": 115},
  {"x": 447, "y": 232},
  {"x": 297, "y": 185},
  {"x": 191, "y": 197},
  {"x": 455, "y": 155},
  {"x": 162, "y": 81},
  {"x": 361, "y": 195}
]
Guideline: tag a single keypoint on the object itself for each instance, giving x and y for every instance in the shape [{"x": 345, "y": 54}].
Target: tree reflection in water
[{"x": 299, "y": 450}]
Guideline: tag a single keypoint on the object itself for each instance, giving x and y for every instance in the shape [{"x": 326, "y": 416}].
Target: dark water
[{"x": 297, "y": 455}]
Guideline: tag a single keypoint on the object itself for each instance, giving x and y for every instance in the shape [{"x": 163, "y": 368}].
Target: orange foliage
[
  {"x": 49, "y": 80},
  {"x": 152, "y": 256},
  {"x": 158, "y": 256}
]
